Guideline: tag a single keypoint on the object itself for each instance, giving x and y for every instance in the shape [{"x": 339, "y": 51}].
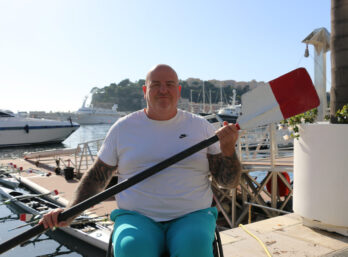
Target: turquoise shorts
[{"x": 188, "y": 236}]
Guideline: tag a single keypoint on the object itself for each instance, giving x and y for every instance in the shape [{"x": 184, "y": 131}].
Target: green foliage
[
  {"x": 129, "y": 95},
  {"x": 310, "y": 116},
  {"x": 293, "y": 122},
  {"x": 342, "y": 115}
]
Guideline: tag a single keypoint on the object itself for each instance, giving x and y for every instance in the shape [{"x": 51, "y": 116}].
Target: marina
[
  {"x": 278, "y": 178},
  {"x": 255, "y": 199}
]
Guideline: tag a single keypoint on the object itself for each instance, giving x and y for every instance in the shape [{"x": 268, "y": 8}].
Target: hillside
[{"x": 129, "y": 95}]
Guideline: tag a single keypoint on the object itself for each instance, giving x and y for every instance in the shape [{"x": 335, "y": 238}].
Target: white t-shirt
[{"x": 135, "y": 143}]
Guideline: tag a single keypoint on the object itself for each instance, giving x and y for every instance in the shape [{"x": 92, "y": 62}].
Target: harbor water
[{"x": 83, "y": 134}]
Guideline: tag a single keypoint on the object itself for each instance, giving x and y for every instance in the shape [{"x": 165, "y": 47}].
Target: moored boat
[
  {"x": 15, "y": 131},
  {"x": 9, "y": 181},
  {"x": 85, "y": 228},
  {"x": 88, "y": 114},
  {"x": 231, "y": 112},
  {"x": 91, "y": 115}
]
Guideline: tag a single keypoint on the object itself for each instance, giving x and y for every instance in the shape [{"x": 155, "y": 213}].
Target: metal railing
[
  {"x": 259, "y": 149},
  {"x": 85, "y": 156}
]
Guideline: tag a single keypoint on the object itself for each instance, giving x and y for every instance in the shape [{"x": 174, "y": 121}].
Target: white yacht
[
  {"x": 87, "y": 115},
  {"x": 17, "y": 130},
  {"x": 231, "y": 112}
]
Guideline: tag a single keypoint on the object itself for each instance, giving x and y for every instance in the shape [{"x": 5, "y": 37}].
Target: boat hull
[
  {"x": 15, "y": 131},
  {"x": 228, "y": 118},
  {"x": 91, "y": 119},
  {"x": 9, "y": 182},
  {"x": 98, "y": 237},
  {"x": 36, "y": 135}
]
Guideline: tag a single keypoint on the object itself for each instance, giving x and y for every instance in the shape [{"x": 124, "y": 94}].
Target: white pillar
[
  {"x": 320, "y": 80},
  {"x": 320, "y": 39}
]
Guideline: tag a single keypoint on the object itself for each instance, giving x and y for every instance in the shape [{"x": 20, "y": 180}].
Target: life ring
[{"x": 283, "y": 190}]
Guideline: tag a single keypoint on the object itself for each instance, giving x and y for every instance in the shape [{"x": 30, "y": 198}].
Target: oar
[
  {"x": 295, "y": 80},
  {"x": 27, "y": 224},
  {"x": 8, "y": 218},
  {"x": 279, "y": 99},
  {"x": 30, "y": 220}
]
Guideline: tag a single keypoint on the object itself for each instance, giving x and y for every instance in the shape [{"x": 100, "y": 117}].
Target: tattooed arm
[
  {"x": 226, "y": 170},
  {"x": 94, "y": 181},
  {"x": 225, "y": 167}
]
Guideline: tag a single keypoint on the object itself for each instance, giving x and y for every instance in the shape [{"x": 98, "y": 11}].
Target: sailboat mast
[
  {"x": 234, "y": 97},
  {"x": 191, "y": 103},
  {"x": 221, "y": 101},
  {"x": 210, "y": 105},
  {"x": 203, "y": 98}
]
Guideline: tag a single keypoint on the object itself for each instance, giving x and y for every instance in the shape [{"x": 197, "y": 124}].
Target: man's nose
[{"x": 163, "y": 88}]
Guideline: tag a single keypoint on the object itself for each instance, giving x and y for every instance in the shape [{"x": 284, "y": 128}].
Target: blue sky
[{"x": 52, "y": 52}]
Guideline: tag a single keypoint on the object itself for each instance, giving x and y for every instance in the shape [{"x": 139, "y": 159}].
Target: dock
[
  {"x": 282, "y": 235},
  {"x": 41, "y": 178}
]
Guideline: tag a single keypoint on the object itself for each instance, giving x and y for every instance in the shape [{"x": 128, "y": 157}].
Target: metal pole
[
  {"x": 268, "y": 208},
  {"x": 273, "y": 142}
]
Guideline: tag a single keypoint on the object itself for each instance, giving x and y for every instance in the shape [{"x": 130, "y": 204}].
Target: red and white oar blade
[{"x": 281, "y": 98}]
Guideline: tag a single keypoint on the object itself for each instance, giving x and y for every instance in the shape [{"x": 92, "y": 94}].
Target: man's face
[{"x": 162, "y": 91}]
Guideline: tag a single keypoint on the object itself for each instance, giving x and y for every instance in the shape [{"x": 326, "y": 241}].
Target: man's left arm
[{"x": 225, "y": 167}]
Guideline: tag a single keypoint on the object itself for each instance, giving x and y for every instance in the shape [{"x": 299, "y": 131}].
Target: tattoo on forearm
[
  {"x": 225, "y": 169},
  {"x": 94, "y": 181}
]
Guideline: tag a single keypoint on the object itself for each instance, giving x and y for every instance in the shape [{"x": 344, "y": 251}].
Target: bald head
[
  {"x": 160, "y": 68},
  {"x": 162, "y": 92}
]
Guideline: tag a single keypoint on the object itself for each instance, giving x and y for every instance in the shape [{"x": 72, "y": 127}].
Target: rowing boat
[
  {"x": 85, "y": 229},
  {"x": 9, "y": 181}
]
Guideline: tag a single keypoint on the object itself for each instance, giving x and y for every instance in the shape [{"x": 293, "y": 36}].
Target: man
[{"x": 170, "y": 211}]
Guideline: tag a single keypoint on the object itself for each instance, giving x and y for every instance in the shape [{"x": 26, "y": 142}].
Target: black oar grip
[{"x": 77, "y": 209}]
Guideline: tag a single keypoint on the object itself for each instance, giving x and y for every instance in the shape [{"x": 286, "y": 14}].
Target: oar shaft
[{"x": 75, "y": 210}]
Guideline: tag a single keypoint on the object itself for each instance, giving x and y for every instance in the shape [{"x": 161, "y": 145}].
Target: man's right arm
[{"x": 94, "y": 181}]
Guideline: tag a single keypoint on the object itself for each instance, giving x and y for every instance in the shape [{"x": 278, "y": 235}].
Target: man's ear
[
  {"x": 179, "y": 90},
  {"x": 144, "y": 89}
]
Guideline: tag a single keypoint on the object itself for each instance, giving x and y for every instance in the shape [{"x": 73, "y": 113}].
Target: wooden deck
[
  {"x": 66, "y": 188},
  {"x": 283, "y": 236}
]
